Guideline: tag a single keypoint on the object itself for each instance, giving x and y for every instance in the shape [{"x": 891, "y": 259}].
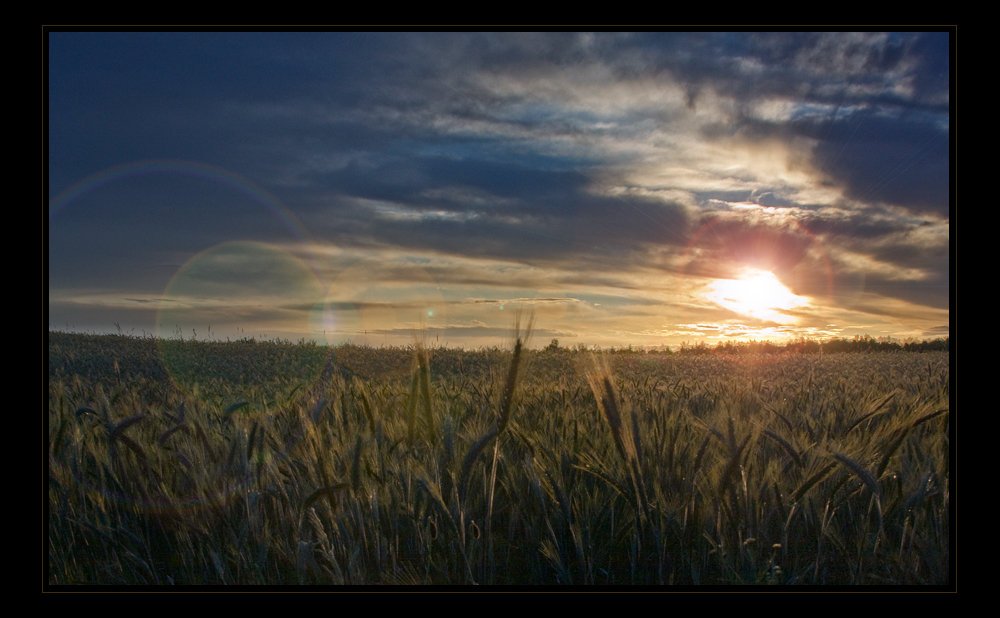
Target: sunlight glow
[{"x": 757, "y": 294}]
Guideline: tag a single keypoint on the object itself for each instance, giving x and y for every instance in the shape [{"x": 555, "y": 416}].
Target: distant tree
[{"x": 810, "y": 346}]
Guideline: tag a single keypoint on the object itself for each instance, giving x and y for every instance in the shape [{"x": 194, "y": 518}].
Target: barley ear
[
  {"x": 869, "y": 480},
  {"x": 862, "y": 473}
]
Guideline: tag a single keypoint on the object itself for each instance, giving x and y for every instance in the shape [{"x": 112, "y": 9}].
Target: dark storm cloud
[
  {"x": 859, "y": 225},
  {"x": 183, "y": 82},
  {"x": 842, "y": 69},
  {"x": 905, "y": 243},
  {"x": 933, "y": 293},
  {"x": 881, "y": 143},
  {"x": 890, "y": 160},
  {"x": 614, "y": 233}
]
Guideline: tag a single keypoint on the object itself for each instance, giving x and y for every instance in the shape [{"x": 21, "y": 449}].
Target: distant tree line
[{"x": 860, "y": 343}]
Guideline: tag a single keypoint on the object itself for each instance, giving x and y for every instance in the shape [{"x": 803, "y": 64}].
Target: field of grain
[{"x": 267, "y": 463}]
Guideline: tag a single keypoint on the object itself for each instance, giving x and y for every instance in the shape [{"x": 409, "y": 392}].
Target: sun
[{"x": 758, "y": 294}]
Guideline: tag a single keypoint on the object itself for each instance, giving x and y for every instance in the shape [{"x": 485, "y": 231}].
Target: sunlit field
[{"x": 271, "y": 463}]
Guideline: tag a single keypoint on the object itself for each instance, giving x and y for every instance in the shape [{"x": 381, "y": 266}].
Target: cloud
[{"x": 564, "y": 166}]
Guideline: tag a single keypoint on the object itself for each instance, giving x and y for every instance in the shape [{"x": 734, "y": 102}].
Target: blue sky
[{"x": 640, "y": 189}]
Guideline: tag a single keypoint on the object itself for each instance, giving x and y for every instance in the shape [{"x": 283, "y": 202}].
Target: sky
[{"x": 383, "y": 188}]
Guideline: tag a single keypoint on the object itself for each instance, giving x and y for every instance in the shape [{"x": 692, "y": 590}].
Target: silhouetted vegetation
[{"x": 860, "y": 343}]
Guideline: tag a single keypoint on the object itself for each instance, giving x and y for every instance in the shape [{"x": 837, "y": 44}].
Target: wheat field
[{"x": 272, "y": 464}]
